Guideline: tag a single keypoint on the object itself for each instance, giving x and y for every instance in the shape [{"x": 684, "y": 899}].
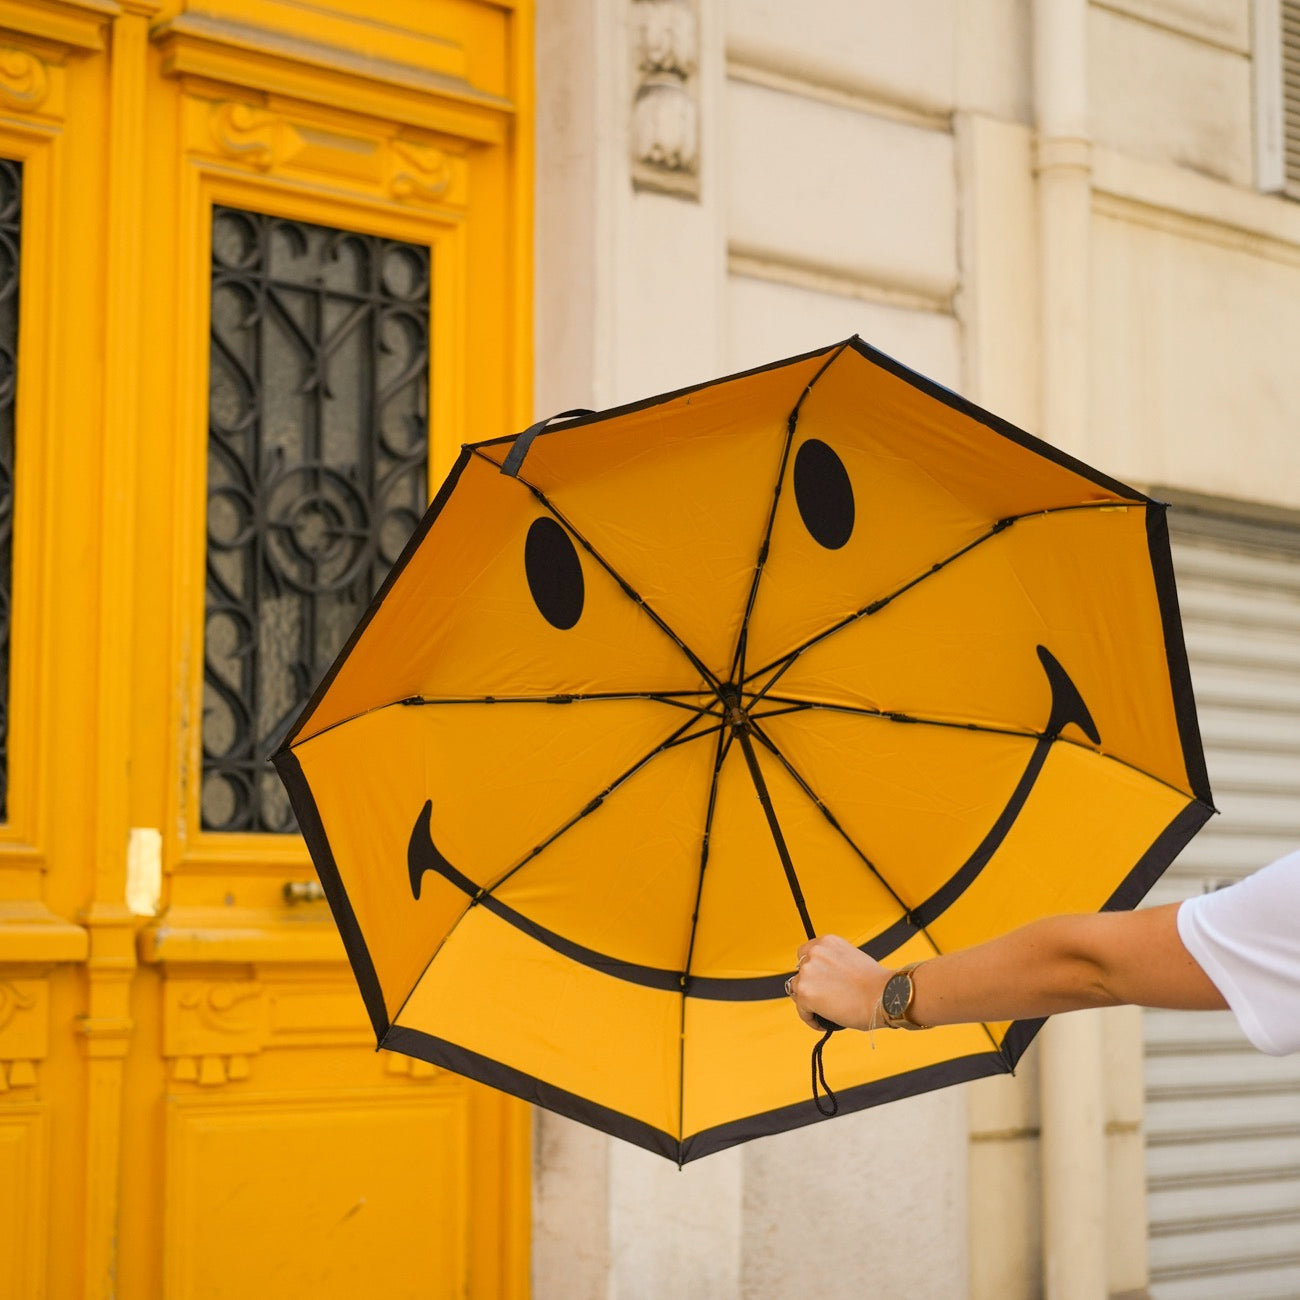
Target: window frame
[
  {"x": 187, "y": 844},
  {"x": 31, "y": 705},
  {"x": 214, "y": 765}
]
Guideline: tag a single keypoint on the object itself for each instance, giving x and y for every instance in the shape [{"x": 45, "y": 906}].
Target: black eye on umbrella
[
  {"x": 554, "y": 573},
  {"x": 824, "y": 494}
]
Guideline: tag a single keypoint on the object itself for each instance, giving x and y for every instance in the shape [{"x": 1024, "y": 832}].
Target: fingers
[
  {"x": 792, "y": 989},
  {"x": 819, "y": 944},
  {"x": 835, "y": 979}
]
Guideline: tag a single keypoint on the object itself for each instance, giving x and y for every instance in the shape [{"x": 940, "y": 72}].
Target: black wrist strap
[{"x": 831, "y": 1106}]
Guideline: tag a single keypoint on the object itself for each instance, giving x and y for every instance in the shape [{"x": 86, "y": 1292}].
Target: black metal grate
[
  {"x": 317, "y": 467},
  {"x": 11, "y": 202}
]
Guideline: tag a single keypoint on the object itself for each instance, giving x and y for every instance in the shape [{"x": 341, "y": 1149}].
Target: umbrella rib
[
  {"x": 626, "y": 587},
  {"x": 782, "y": 850},
  {"x": 784, "y": 662},
  {"x": 792, "y": 421},
  {"x": 412, "y": 701},
  {"x": 871, "y": 866},
  {"x": 487, "y": 891},
  {"x": 889, "y": 715},
  {"x": 724, "y": 744},
  {"x": 678, "y": 737},
  {"x": 825, "y": 811},
  {"x": 675, "y": 698}
]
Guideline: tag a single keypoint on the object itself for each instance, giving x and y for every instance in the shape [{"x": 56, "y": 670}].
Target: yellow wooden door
[{"x": 264, "y": 264}]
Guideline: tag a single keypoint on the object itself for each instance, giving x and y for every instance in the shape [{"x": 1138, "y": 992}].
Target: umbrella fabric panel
[
  {"x": 467, "y": 790},
  {"x": 925, "y": 478},
  {"x": 520, "y": 1004},
  {"x": 1092, "y": 828},
  {"x": 749, "y": 923},
  {"x": 962, "y": 645},
  {"x": 747, "y": 1068},
  {"x": 682, "y": 487},
  {"x": 918, "y": 801},
  {"x": 622, "y": 882},
  {"x": 462, "y": 619}
]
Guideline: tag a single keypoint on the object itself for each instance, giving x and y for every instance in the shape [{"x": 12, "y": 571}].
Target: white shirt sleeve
[{"x": 1246, "y": 938}]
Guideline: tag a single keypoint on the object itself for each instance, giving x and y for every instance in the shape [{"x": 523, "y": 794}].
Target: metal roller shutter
[{"x": 1223, "y": 1120}]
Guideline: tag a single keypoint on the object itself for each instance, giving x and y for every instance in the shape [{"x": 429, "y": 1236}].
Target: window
[
  {"x": 10, "y": 215},
  {"x": 1277, "y": 95},
  {"x": 317, "y": 467}
]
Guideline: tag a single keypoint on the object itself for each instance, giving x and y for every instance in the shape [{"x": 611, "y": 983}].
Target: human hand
[{"x": 836, "y": 981}]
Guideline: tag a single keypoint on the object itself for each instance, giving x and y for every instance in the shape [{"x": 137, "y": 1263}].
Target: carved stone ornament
[
  {"x": 668, "y": 37},
  {"x": 24, "y": 80},
  {"x": 210, "y": 1030},
  {"x": 246, "y": 133},
  {"x": 24, "y": 1017},
  {"x": 14, "y": 999},
  {"x": 665, "y": 105},
  {"x": 420, "y": 171}
]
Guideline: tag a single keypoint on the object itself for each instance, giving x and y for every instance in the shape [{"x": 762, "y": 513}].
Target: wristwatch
[{"x": 896, "y": 999}]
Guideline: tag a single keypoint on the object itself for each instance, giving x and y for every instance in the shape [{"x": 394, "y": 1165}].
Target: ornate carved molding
[
  {"x": 211, "y": 1028},
  {"x": 211, "y": 49},
  {"x": 13, "y": 1000},
  {"x": 24, "y": 80},
  {"x": 420, "y": 171},
  {"x": 24, "y": 1031},
  {"x": 246, "y": 133},
  {"x": 214, "y": 1029},
  {"x": 76, "y": 25},
  {"x": 410, "y": 171},
  {"x": 665, "y": 105}
]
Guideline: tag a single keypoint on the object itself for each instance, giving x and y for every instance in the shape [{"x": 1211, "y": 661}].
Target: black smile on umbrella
[{"x": 741, "y": 722}]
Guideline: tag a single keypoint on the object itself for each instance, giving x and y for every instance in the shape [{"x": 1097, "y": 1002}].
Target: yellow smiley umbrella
[{"x": 654, "y": 694}]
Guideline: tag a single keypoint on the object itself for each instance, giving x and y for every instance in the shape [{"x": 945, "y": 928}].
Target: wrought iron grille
[
  {"x": 11, "y": 202},
  {"x": 317, "y": 465}
]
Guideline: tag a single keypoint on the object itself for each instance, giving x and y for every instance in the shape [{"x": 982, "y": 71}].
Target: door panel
[{"x": 197, "y": 1077}]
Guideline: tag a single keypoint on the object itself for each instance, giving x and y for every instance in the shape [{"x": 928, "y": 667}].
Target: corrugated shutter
[
  {"x": 1291, "y": 90},
  {"x": 1223, "y": 1120}
]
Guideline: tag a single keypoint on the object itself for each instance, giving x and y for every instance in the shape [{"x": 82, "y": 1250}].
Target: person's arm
[{"x": 1063, "y": 963}]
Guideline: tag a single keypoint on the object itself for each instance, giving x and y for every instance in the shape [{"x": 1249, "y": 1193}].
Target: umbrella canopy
[{"x": 654, "y": 694}]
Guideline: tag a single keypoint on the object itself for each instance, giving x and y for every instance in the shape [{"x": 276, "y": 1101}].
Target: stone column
[
  {"x": 630, "y": 267},
  {"x": 1073, "y": 1151}
]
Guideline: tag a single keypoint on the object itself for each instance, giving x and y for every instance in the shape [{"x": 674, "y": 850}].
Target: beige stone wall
[{"x": 1072, "y": 237}]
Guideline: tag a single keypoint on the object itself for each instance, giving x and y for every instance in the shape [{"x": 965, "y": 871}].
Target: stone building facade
[{"x": 1079, "y": 215}]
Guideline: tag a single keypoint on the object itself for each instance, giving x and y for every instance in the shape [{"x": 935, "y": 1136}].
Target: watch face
[{"x": 895, "y": 997}]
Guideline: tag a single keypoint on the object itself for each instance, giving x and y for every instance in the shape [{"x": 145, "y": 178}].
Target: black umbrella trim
[
  {"x": 1019, "y": 1035},
  {"x": 476, "y": 1066},
  {"x": 1180, "y": 677},
  {"x": 318, "y": 845},
  {"x": 473, "y": 1065}
]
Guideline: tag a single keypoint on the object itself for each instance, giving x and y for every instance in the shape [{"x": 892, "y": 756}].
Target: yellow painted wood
[{"x": 168, "y": 1075}]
